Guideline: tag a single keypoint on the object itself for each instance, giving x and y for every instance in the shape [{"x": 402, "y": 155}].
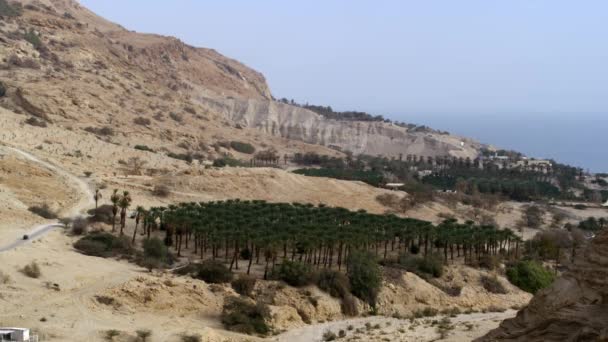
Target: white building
[{"x": 15, "y": 335}]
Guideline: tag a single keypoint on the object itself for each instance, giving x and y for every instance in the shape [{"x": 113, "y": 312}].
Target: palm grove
[{"x": 246, "y": 233}]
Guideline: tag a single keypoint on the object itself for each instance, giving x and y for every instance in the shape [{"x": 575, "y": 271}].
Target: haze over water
[{"x": 575, "y": 139}]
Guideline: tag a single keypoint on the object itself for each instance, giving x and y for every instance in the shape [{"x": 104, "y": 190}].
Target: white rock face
[{"x": 367, "y": 137}]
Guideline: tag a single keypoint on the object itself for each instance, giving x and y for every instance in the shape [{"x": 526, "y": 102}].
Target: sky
[{"x": 457, "y": 64}]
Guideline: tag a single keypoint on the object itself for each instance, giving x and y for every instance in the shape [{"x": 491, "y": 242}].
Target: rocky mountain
[
  {"x": 67, "y": 66},
  {"x": 574, "y": 308}
]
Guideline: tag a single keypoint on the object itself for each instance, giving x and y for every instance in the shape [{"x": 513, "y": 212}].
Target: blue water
[{"x": 575, "y": 139}]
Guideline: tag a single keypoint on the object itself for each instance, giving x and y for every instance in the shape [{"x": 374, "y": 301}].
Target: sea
[{"x": 579, "y": 140}]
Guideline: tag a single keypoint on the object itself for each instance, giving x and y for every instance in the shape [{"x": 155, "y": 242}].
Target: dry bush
[
  {"x": 493, "y": 285},
  {"x": 4, "y": 278},
  {"x": 142, "y": 121},
  {"x": 191, "y": 338},
  {"x": 244, "y": 285},
  {"x": 161, "y": 191},
  {"x": 33, "y": 121},
  {"x": 80, "y": 225},
  {"x": 135, "y": 165},
  {"x": 103, "y": 131},
  {"x": 388, "y": 200},
  {"x": 43, "y": 211},
  {"x": 32, "y": 270}
]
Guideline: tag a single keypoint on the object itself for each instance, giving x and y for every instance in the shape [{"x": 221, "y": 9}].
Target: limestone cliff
[{"x": 368, "y": 137}]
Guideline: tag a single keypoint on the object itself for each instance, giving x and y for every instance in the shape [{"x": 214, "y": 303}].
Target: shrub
[
  {"x": 493, "y": 285},
  {"x": 244, "y": 285},
  {"x": 214, "y": 272},
  {"x": 142, "y": 121},
  {"x": 245, "y": 253},
  {"x": 242, "y": 147},
  {"x": 155, "y": 248},
  {"x": 426, "y": 312},
  {"x": 103, "y": 244},
  {"x": 6, "y": 10},
  {"x": 32, "y": 37},
  {"x": 489, "y": 262},
  {"x": 2, "y": 89},
  {"x": 143, "y": 148},
  {"x": 244, "y": 316},
  {"x": 530, "y": 276},
  {"x": 329, "y": 336},
  {"x": 161, "y": 190},
  {"x": 349, "y": 306},
  {"x": 143, "y": 334},
  {"x": 333, "y": 282},
  {"x": 80, "y": 226},
  {"x": 227, "y": 161},
  {"x": 104, "y": 131},
  {"x": 191, "y": 338},
  {"x": 33, "y": 121},
  {"x": 88, "y": 174},
  {"x": 422, "y": 266},
  {"x": 101, "y": 214},
  {"x": 110, "y": 334},
  {"x": 365, "y": 276},
  {"x": 4, "y": 278},
  {"x": 43, "y": 211},
  {"x": 294, "y": 273},
  {"x": 32, "y": 270},
  {"x": 176, "y": 117}
]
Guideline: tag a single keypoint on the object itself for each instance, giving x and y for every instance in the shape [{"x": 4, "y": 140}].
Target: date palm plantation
[{"x": 320, "y": 236}]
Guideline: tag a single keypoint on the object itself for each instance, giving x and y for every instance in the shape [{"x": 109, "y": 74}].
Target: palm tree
[
  {"x": 115, "y": 198},
  {"x": 124, "y": 203},
  {"x": 97, "y": 197},
  {"x": 140, "y": 213}
]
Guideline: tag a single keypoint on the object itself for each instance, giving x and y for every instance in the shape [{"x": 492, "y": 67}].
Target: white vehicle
[{"x": 16, "y": 335}]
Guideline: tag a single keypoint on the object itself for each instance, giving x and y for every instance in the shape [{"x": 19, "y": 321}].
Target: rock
[{"x": 574, "y": 308}]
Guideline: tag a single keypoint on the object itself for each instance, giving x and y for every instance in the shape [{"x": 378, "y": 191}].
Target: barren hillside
[{"x": 64, "y": 65}]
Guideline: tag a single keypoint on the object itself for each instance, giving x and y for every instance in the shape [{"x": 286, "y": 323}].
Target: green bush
[
  {"x": 244, "y": 316},
  {"x": 244, "y": 285},
  {"x": 530, "y": 276},
  {"x": 2, "y": 89},
  {"x": 7, "y": 10},
  {"x": 214, "y": 272},
  {"x": 33, "y": 38},
  {"x": 104, "y": 245},
  {"x": 365, "y": 276},
  {"x": 422, "y": 266},
  {"x": 242, "y": 147},
  {"x": 294, "y": 273},
  {"x": 155, "y": 248}
]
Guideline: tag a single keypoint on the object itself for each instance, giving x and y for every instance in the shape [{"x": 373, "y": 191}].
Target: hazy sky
[{"x": 407, "y": 60}]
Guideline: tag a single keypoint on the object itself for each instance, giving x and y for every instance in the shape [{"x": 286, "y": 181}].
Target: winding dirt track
[{"x": 86, "y": 199}]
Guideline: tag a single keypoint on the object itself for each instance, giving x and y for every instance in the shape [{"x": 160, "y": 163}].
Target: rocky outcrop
[
  {"x": 574, "y": 308},
  {"x": 368, "y": 137}
]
